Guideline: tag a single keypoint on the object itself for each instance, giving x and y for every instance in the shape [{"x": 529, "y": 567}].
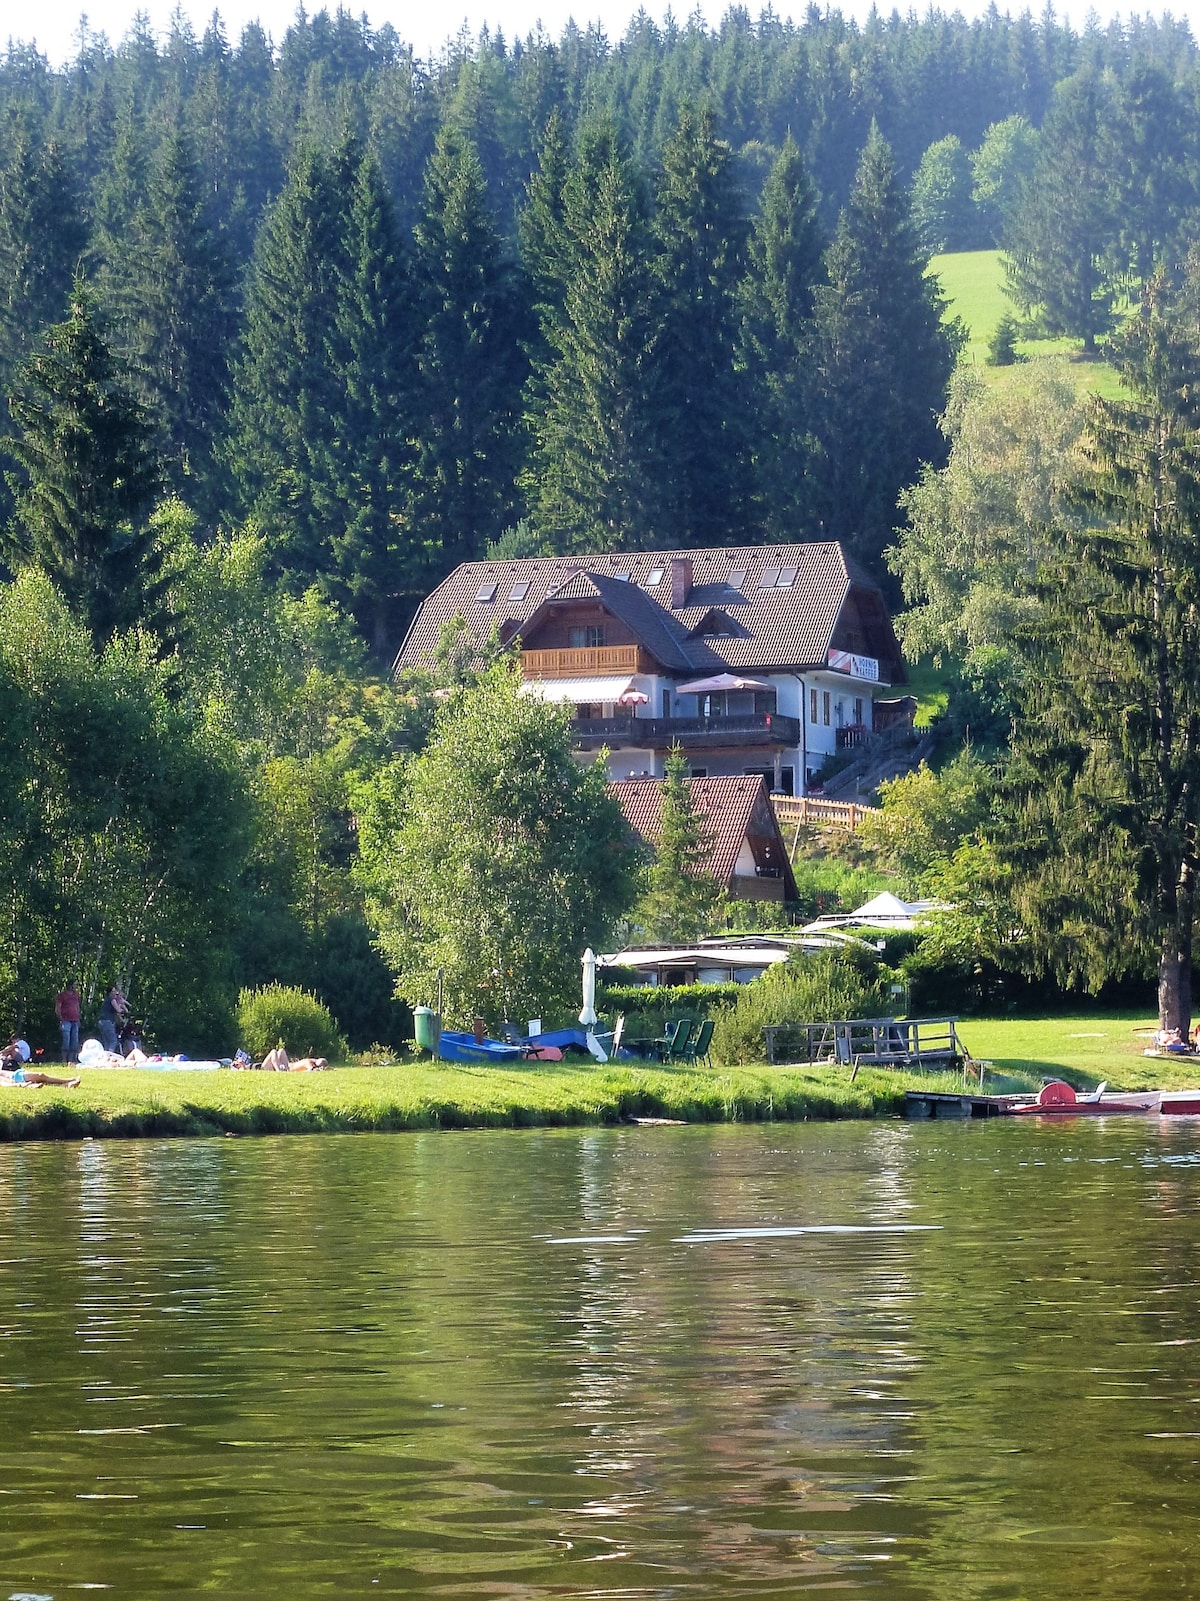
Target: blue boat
[{"x": 456, "y": 1047}]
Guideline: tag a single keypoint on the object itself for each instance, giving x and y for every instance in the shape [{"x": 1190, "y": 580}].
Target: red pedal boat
[{"x": 1058, "y": 1099}]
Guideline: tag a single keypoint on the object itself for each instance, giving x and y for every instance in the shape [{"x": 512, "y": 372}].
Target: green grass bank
[
  {"x": 424, "y": 1096},
  {"x": 1083, "y": 1047}
]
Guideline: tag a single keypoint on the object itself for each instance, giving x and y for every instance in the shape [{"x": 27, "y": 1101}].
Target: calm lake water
[{"x": 903, "y": 1361}]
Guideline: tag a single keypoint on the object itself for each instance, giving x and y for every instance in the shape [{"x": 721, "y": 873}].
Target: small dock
[{"x": 929, "y": 1103}]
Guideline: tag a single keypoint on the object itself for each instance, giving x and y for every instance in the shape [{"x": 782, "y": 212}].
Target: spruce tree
[
  {"x": 593, "y": 478},
  {"x": 41, "y": 238},
  {"x": 784, "y": 264},
  {"x": 86, "y": 477},
  {"x": 883, "y": 357},
  {"x": 323, "y": 395},
  {"x": 1062, "y": 239},
  {"x": 470, "y": 361},
  {"x": 1102, "y": 816},
  {"x": 681, "y": 895},
  {"x": 168, "y": 276},
  {"x": 698, "y": 231}
]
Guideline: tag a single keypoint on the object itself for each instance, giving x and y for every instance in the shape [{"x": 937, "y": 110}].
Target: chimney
[{"x": 681, "y": 581}]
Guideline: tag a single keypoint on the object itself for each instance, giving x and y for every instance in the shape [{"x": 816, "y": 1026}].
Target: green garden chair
[
  {"x": 696, "y": 1049},
  {"x": 676, "y": 1050}
]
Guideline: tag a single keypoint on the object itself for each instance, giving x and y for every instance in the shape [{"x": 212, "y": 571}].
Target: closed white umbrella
[
  {"x": 720, "y": 681},
  {"x": 587, "y": 1015}
]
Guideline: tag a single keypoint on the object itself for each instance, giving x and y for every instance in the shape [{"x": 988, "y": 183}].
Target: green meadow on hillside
[{"x": 973, "y": 283}]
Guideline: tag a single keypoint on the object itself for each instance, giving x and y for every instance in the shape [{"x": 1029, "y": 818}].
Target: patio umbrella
[
  {"x": 714, "y": 686},
  {"x": 633, "y": 697},
  {"x": 587, "y": 1015}
]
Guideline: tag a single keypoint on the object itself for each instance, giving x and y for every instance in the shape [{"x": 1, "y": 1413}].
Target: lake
[{"x": 904, "y": 1361}]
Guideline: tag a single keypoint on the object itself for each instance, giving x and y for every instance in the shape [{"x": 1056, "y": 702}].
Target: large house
[{"x": 764, "y": 659}]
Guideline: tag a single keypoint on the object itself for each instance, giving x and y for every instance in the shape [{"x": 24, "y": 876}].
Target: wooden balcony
[
  {"x": 601, "y": 661},
  {"x": 769, "y": 731}
]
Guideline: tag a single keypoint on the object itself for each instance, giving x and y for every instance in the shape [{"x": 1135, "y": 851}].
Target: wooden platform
[
  {"x": 930, "y": 1103},
  {"x": 931, "y": 1043}
]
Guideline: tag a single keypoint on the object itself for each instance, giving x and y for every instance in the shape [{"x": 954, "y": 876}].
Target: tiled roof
[
  {"x": 729, "y": 806},
  {"x": 781, "y": 627}
]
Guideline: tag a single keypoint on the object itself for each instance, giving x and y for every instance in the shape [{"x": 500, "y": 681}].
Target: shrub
[
  {"x": 647, "y": 1007},
  {"x": 812, "y": 989},
  {"x": 1002, "y": 346},
  {"x": 266, "y": 1016}
]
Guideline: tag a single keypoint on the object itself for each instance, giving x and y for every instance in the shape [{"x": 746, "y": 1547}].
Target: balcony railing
[
  {"x": 599, "y": 661},
  {"x": 768, "y": 729}
]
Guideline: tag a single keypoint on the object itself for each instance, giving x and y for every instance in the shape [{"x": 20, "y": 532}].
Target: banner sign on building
[{"x": 845, "y": 661}]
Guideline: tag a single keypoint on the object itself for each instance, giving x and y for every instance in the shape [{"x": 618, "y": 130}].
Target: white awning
[{"x": 581, "y": 691}]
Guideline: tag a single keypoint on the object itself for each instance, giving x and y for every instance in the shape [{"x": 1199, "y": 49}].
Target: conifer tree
[
  {"x": 596, "y": 455},
  {"x": 681, "y": 895},
  {"x": 883, "y": 357},
  {"x": 323, "y": 397},
  {"x": 471, "y": 366},
  {"x": 699, "y": 231},
  {"x": 169, "y": 278},
  {"x": 41, "y": 238},
  {"x": 784, "y": 263},
  {"x": 1062, "y": 238},
  {"x": 1103, "y": 809},
  {"x": 87, "y": 475}
]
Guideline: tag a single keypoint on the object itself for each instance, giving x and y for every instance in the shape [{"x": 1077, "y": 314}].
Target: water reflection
[{"x": 916, "y": 1361}]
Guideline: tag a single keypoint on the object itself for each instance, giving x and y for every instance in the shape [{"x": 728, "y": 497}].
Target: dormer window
[{"x": 486, "y": 592}]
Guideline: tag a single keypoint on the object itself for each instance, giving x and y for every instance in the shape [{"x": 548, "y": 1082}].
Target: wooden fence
[
  {"x": 877, "y": 1041},
  {"x": 797, "y": 810}
]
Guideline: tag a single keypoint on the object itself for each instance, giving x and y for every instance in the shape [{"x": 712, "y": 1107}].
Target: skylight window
[
  {"x": 621, "y": 578},
  {"x": 486, "y": 592},
  {"x": 768, "y": 578},
  {"x": 519, "y": 590},
  {"x": 787, "y": 577},
  {"x": 736, "y": 578},
  {"x": 656, "y": 577}
]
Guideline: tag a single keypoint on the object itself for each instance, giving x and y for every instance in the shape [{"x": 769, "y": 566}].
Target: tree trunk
[{"x": 1175, "y": 968}]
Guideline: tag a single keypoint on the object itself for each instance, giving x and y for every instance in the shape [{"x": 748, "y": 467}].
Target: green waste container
[{"x": 427, "y": 1028}]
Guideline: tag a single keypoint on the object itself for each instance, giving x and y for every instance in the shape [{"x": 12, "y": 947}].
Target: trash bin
[{"x": 427, "y": 1028}]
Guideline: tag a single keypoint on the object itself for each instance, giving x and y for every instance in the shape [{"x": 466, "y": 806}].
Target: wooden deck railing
[
  {"x": 600, "y": 661},
  {"x": 877, "y": 1041},
  {"x": 800, "y": 809}
]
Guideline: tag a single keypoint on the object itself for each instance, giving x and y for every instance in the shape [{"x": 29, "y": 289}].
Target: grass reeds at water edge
[{"x": 426, "y": 1096}]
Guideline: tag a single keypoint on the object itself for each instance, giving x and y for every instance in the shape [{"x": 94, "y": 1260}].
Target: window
[
  {"x": 698, "y": 772},
  {"x": 825, "y": 708},
  {"x": 656, "y": 577},
  {"x": 486, "y": 592},
  {"x": 812, "y": 705},
  {"x": 858, "y": 710},
  {"x": 519, "y": 591},
  {"x": 787, "y": 577},
  {"x": 590, "y": 637},
  {"x": 666, "y": 703},
  {"x": 622, "y": 578},
  {"x": 768, "y": 578},
  {"x": 736, "y": 578}
]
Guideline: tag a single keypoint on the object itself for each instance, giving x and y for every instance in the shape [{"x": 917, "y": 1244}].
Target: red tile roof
[{"x": 731, "y": 809}]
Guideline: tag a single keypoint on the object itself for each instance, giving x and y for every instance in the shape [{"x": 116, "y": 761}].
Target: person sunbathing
[
  {"x": 25, "y": 1077},
  {"x": 308, "y": 1064},
  {"x": 276, "y": 1061}
]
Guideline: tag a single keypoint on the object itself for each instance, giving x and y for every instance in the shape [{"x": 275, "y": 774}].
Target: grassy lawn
[
  {"x": 973, "y": 283},
  {"x": 422, "y": 1096},
  {"x": 930, "y": 685},
  {"x": 1083, "y": 1049}
]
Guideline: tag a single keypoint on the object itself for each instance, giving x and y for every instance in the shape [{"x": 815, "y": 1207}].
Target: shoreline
[{"x": 137, "y": 1104}]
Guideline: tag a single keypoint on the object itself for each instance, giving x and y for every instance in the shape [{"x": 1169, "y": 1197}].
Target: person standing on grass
[
  {"x": 112, "y": 1014},
  {"x": 66, "y": 1009}
]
